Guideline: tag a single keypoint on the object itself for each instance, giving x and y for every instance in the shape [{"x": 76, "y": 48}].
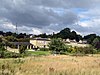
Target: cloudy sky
[{"x": 48, "y": 16}]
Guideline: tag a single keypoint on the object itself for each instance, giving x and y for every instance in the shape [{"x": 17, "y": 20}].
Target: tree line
[
  {"x": 63, "y": 34},
  {"x": 66, "y": 33},
  {"x": 13, "y": 37}
]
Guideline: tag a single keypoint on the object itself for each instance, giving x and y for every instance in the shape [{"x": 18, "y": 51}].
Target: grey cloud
[
  {"x": 63, "y": 3},
  {"x": 31, "y": 15},
  {"x": 41, "y": 13}
]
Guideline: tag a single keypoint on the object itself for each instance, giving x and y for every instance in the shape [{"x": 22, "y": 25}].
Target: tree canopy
[{"x": 57, "y": 45}]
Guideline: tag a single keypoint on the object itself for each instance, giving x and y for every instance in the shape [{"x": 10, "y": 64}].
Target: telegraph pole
[{"x": 16, "y": 29}]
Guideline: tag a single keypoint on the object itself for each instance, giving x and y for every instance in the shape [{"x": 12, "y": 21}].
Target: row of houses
[
  {"x": 74, "y": 41},
  {"x": 43, "y": 43}
]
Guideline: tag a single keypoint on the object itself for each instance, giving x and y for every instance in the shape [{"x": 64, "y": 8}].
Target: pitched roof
[
  {"x": 21, "y": 43},
  {"x": 43, "y": 39}
]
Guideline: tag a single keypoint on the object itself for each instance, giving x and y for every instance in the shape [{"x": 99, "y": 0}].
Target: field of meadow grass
[
  {"x": 38, "y": 53},
  {"x": 51, "y": 65}
]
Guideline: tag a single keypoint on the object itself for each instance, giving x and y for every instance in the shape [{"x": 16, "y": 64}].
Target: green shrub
[
  {"x": 6, "y": 54},
  {"x": 44, "y": 49},
  {"x": 82, "y": 50},
  {"x": 22, "y": 49},
  {"x": 57, "y": 45},
  {"x": 2, "y": 50},
  {"x": 11, "y": 55}
]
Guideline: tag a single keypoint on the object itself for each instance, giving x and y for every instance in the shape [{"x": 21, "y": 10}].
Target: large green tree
[
  {"x": 57, "y": 45},
  {"x": 95, "y": 41},
  {"x": 73, "y": 35},
  {"x": 90, "y": 38},
  {"x": 64, "y": 34}
]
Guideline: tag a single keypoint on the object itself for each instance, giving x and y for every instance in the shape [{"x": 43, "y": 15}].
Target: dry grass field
[{"x": 51, "y": 65}]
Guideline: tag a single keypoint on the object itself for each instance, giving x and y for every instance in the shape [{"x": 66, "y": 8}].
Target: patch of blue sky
[
  {"x": 79, "y": 10},
  {"x": 85, "y": 19}
]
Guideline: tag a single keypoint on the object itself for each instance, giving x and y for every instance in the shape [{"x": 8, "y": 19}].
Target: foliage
[
  {"x": 6, "y": 54},
  {"x": 97, "y": 46},
  {"x": 2, "y": 50},
  {"x": 43, "y": 49},
  {"x": 82, "y": 50},
  {"x": 0, "y": 39},
  {"x": 12, "y": 45},
  {"x": 73, "y": 35},
  {"x": 78, "y": 38},
  {"x": 90, "y": 38},
  {"x": 23, "y": 40},
  {"x": 67, "y": 33},
  {"x": 56, "y": 45},
  {"x": 11, "y": 38},
  {"x": 11, "y": 55},
  {"x": 64, "y": 34},
  {"x": 43, "y": 35},
  {"x": 22, "y": 49},
  {"x": 95, "y": 42},
  {"x": 21, "y": 35}
]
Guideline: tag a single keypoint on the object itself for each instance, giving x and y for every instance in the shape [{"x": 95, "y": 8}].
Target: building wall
[
  {"x": 40, "y": 43},
  {"x": 33, "y": 42}
]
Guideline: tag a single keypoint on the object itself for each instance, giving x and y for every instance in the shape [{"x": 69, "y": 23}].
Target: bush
[
  {"x": 11, "y": 55},
  {"x": 2, "y": 50},
  {"x": 57, "y": 45},
  {"x": 12, "y": 45},
  {"x": 22, "y": 49},
  {"x": 7, "y": 54},
  {"x": 82, "y": 50},
  {"x": 44, "y": 49}
]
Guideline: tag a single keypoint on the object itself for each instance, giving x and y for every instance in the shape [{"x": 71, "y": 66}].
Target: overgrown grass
[{"x": 51, "y": 65}]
